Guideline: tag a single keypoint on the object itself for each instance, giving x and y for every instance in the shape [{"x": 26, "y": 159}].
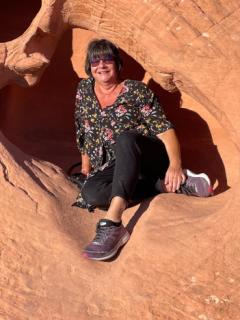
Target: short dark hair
[{"x": 99, "y": 48}]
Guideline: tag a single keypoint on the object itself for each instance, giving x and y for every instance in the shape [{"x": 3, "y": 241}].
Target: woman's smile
[{"x": 104, "y": 73}]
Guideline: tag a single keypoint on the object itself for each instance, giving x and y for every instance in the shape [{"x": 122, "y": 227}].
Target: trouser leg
[
  {"x": 127, "y": 165},
  {"x": 97, "y": 189},
  {"x": 140, "y": 161}
]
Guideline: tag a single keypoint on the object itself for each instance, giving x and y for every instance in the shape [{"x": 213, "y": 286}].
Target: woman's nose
[{"x": 102, "y": 63}]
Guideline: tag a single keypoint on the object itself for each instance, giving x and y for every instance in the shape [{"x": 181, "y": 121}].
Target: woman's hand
[
  {"x": 174, "y": 178},
  {"x": 86, "y": 165}
]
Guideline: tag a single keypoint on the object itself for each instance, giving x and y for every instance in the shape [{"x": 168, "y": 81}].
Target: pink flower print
[
  {"x": 78, "y": 96},
  {"x": 146, "y": 110},
  {"x": 100, "y": 152},
  {"x": 108, "y": 134},
  {"x": 124, "y": 89},
  {"x": 120, "y": 110},
  {"x": 86, "y": 126},
  {"x": 113, "y": 123}
]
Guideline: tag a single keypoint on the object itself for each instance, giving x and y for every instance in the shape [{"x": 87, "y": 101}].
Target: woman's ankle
[
  {"x": 115, "y": 217},
  {"x": 116, "y": 208}
]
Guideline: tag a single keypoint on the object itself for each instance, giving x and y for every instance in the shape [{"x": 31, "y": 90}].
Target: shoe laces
[{"x": 102, "y": 233}]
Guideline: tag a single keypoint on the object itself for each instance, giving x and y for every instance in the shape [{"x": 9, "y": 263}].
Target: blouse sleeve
[
  {"x": 152, "y": 113},
  {"x": 79, "y": 118}
]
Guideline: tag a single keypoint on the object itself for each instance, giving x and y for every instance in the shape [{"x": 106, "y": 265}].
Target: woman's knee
[
  {"x": 98, "y": 197},
  {"x": 127, "y": 139}
]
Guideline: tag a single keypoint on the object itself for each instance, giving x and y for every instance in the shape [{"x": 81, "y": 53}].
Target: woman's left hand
[{"x": 174, "y": 178}]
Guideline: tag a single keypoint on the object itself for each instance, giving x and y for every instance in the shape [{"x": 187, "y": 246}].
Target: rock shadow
[
  {"x": 131, "y": 68},
  {"x": 199, "y": 153},
  {"x": 10, "y": 11}
]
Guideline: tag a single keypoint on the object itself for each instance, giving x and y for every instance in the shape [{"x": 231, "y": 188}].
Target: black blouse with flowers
[{"x": 136, "y": 107}]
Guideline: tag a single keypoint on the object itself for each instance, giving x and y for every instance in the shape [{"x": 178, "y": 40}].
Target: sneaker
[
  {"x": 198, "y": 185},
  {"x": 109, "y": 238}
]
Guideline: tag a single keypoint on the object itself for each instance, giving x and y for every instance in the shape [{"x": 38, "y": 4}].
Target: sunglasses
[{"x": 108, "y": 59}]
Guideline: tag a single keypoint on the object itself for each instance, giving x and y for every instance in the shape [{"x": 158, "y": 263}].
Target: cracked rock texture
[{"x": 183, "y": 258}]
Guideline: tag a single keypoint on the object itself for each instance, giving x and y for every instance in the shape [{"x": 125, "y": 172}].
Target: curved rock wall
[{"x": 182, "y": 259}]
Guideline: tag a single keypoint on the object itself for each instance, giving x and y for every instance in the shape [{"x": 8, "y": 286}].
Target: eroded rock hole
[{"x": 40, "y": 120}]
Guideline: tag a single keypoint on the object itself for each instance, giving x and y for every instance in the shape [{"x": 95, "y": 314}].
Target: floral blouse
[{"x": 136, "y": 107}]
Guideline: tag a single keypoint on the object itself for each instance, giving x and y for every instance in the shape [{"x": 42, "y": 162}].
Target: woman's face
[{"x": 104, "y": 69}]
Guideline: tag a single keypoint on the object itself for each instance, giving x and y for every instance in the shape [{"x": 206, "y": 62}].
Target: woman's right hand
[{"x": 86, "y": 165}]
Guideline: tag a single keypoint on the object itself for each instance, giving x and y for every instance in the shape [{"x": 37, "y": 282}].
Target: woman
[{"x": 129, "y": 149}]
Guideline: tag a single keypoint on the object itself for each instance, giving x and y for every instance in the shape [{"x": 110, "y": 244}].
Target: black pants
[{"x": 140, "y": 162}]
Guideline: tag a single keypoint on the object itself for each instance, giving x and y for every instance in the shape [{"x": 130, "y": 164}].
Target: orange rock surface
[{"x": 182, "y": 260}]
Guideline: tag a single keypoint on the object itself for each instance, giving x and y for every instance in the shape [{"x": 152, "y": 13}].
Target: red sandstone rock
[{"x": 182, "y": 261}]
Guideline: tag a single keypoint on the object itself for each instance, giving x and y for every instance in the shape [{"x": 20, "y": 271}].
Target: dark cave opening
[{"x": 16, "y": 16}]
